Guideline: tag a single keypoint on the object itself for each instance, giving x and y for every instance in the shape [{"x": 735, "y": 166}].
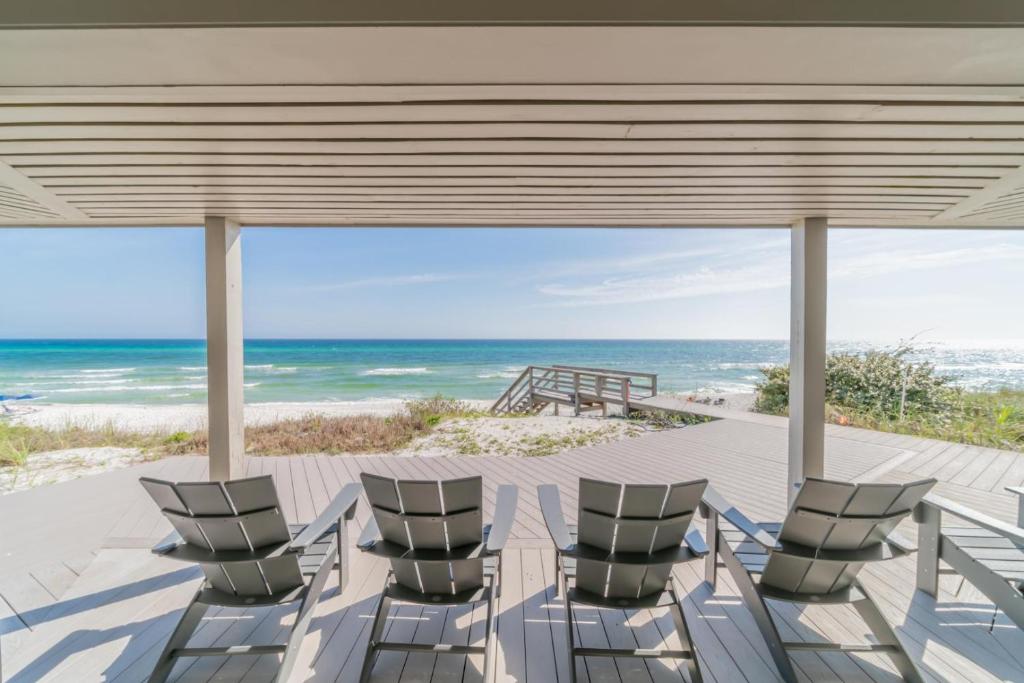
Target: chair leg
[
  {"x": 714, "y": 539},
  {"x": 343, "y": 555},
  {"x": 569, "y": 639},
  {"x": 302, "y": 618},
  {"x": 491, "y": 636},
  {"x": 379, "y": 619},
  {"x": 884, "y": 633},
  {"x": 179, "y": 639},
  {"x": 676, "y": 610},
  {"x": 759, "y": 610}
]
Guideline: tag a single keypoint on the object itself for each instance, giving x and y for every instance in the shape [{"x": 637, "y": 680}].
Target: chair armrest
[
  {"x": 900, "y": 542},
  {"x": 370, "y": 536},
  {"x": 729, "y": 513},
  {"x": 997, "y": 526},
  {"x": 341, "y": 509},
  {"x": 554, "y": 519},
  {"x": 695, "y": 541},
  {"x": 1016, "y": 490},
  {"x": 504, "y": 517}
]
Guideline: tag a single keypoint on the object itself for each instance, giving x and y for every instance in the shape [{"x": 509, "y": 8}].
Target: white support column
[
  {"x": 809, "y": 242},
  {"x": 224, "y": 347}
]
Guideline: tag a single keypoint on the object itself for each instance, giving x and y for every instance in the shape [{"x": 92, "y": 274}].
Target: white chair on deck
[
  {"x": 250, "y": 557},
  {"x": 832, "y": 530}
]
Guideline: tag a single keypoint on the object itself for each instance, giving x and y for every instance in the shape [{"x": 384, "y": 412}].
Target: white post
[
  {"x": 809, "y": 242},
  {"x": 224, "y": 348}
]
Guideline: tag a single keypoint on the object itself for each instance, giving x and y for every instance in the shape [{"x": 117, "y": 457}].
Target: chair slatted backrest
[
  {"x": 836, "y": 516},
  {"x": 239, "y": 515},
  {"x": 420, "y": 516},
  {"x": 634, "y": 519}
]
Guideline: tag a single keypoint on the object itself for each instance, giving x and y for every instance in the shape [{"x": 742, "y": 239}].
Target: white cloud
[
  {"x": 703, "y": 281},
  {"x": 893, "y": 261},
  {"x": 762, "y": 271}
]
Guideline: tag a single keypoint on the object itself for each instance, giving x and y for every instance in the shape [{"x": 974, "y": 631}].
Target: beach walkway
[{"x": 84, "y": 600}]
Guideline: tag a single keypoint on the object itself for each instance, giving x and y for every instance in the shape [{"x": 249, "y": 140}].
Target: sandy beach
[{"x": 192, "y": 416}]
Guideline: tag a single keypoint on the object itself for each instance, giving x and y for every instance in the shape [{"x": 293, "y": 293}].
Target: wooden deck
[{"x": 83, "y": 600}]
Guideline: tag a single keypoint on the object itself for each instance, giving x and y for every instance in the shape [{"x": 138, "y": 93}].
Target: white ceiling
[{"x": 524, "y": 125}]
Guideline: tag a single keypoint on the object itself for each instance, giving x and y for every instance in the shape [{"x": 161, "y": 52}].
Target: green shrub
[
  {"x": 432, "y": 410},
  {"x": 884, "y": 390},
  {"x": 881, "y": 383}
]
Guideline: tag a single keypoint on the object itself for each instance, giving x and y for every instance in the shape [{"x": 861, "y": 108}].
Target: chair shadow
[
  {"x": 139, "y": 631},
  {"x": 952, "y": 616},
  {"x": 108, "y": 596},
  {"x": 787, "y": 617},
  {"x": 343, "y": 660},
  {"x": 84, "y": 639}
]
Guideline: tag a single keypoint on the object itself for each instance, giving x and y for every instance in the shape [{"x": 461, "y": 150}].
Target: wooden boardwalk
[{"x": 84, "y": 601}]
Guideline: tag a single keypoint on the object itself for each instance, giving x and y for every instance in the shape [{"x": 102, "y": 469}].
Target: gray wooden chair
[
  {"x": 621, "y": 555},
  {"x": 250, "y": 557},
  {"x": 987, "y": 552},
  {"x": 433, "y": 534},
  {"x": 813, "y": 557}
]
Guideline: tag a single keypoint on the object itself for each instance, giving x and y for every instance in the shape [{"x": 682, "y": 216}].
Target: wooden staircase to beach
[{"x": 580, "y": 388}]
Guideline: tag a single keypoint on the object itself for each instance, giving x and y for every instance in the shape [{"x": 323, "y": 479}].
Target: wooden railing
[{"x": 575, "y": 386}]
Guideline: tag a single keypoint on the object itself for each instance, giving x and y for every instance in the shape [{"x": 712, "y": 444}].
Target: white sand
[
  {"x": 191, "y": 416},
  {"x": 58, "y": 466},
  {"x": 736, "y": 401}
]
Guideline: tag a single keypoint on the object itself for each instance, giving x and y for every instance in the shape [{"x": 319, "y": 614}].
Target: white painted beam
[
  {"x": 1012, "y": 181},
  {"x": 37, "y": 193},
  {"x": 808, "y": 296},
  {"x": 224, "y": 348}
]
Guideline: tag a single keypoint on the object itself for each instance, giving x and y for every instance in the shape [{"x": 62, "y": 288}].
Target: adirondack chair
[
  {"x": 621, "y": 555},
  {"x": 987, "y": 552},
  {"x": 250, "y": 557},
  {"x": 832, "y": 530},
  {"x": 440, "y": 552}
]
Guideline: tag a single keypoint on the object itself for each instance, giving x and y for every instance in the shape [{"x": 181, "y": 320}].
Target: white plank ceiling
[{"x": 497, "y": 125}]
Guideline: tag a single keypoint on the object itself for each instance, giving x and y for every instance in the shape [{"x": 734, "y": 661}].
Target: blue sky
[{"x": 884, "y": 285}]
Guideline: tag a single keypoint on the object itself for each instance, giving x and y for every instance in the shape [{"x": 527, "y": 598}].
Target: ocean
[{"x": 172, "y": 371}]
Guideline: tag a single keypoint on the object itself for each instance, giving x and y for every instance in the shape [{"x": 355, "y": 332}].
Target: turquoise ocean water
[{"x": 173, "y": 371}]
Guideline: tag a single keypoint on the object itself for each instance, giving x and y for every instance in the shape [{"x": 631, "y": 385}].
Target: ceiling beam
[
  {"x": 1008, "y": 183},
  {"x": 33, "y": 190},
  {"x": 186, "y": 13}
]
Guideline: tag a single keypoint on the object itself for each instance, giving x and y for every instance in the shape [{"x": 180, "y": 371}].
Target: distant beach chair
[
  {"x": 832, "y": 530},
  {"x": 440, "y": 551},
  {"x": 250, "y": 557},
  {"x": 621, "y": 555}
]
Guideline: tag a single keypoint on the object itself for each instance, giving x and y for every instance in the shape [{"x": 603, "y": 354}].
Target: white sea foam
[
  {"x": 123, "y": 387},
  {"x": 108, "y": 370},
  {"x": 267, "y": 366},
  {"x": 192, "y": 368},
  {"x": 504, "y": 374},
  {"x": 390, "y": 372},
  {"x": 743, "y": 366}
]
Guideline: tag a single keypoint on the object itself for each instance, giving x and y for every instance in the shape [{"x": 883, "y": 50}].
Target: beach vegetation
[
  {"x": 662, "y": 419},
  {"x": 18, "y": 442},
  {"x": 886, "y": 390}
]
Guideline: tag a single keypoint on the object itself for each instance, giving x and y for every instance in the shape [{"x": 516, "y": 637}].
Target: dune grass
[
  {"x": 308, "y": 434},
  {"x": 17, "y": 442}
]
